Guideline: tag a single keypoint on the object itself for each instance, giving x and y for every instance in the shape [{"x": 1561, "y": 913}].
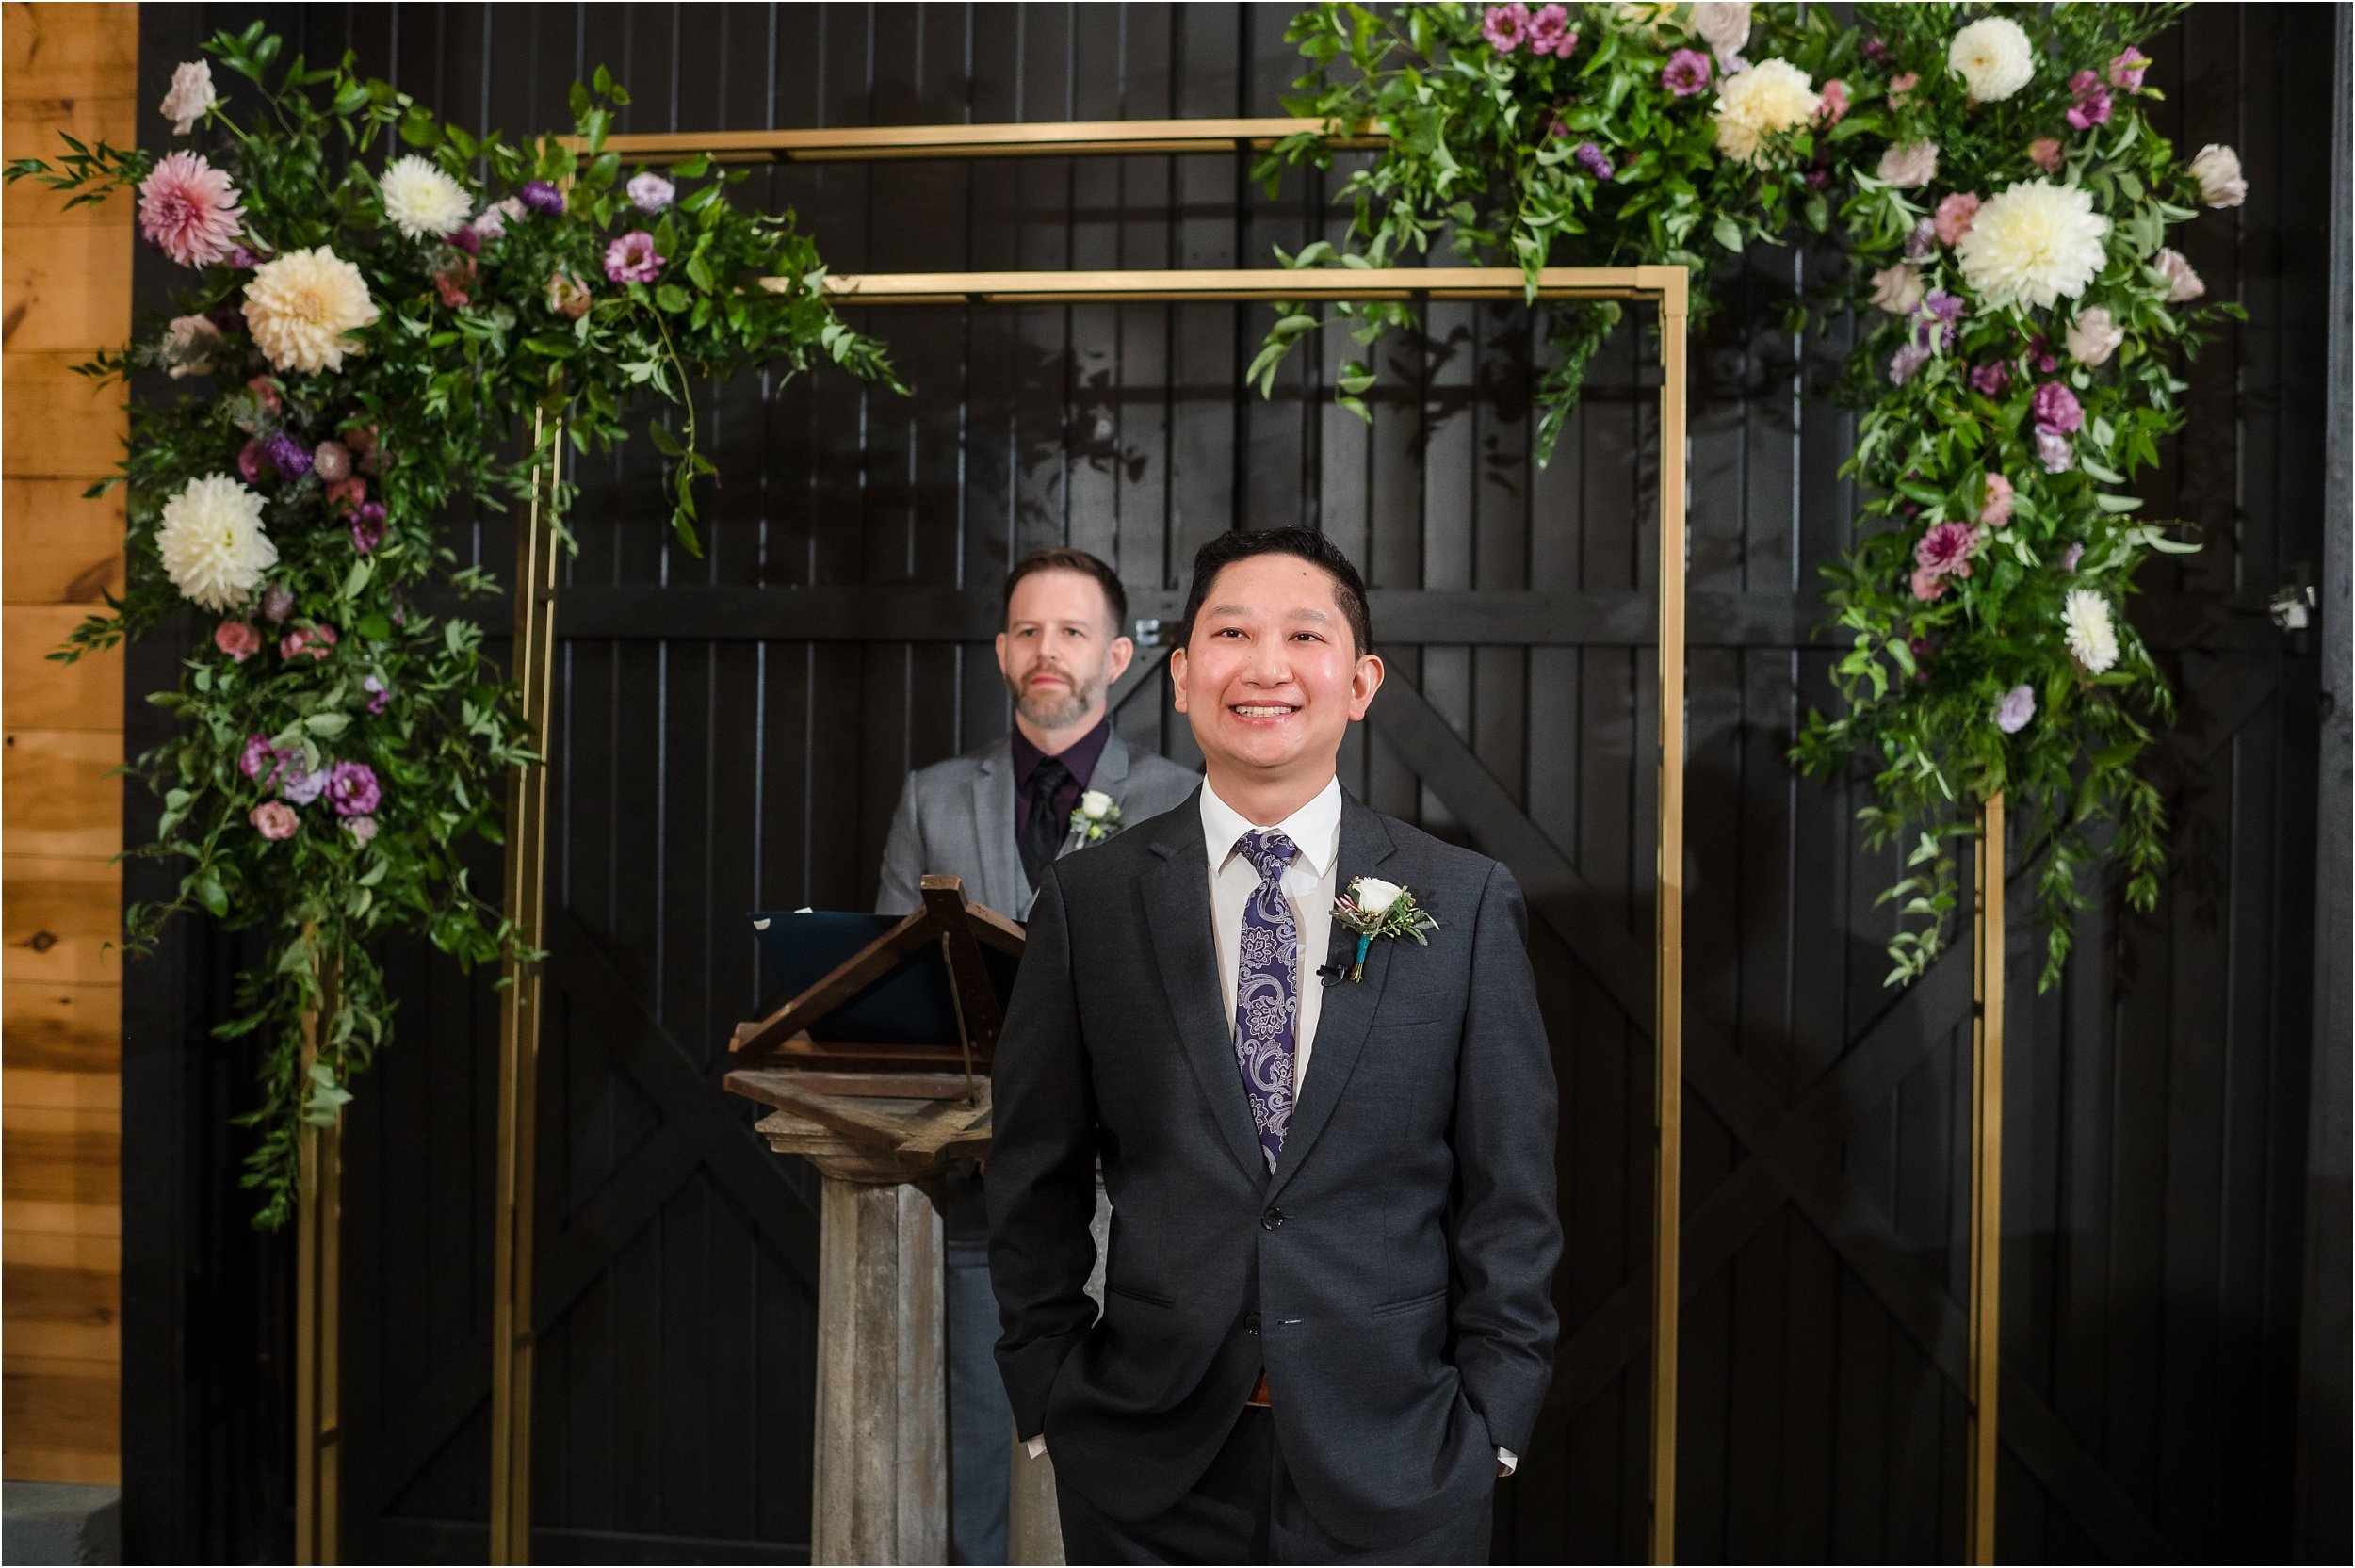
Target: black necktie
[{"x": 1044, "y": 834}]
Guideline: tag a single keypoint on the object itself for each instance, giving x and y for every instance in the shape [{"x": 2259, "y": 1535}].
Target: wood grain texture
[
  {"x": 43, "y": 693},
  {"x": 63, "y": 1421},
  {"x": 65, "y": 288},
  {"x": 59, "y": 546},
  {"x": 30, "y": 127},
  {"x": 59, "y": 800}
]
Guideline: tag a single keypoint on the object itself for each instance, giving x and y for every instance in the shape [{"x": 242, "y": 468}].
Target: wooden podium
[{"x": 879, "y": 1122}]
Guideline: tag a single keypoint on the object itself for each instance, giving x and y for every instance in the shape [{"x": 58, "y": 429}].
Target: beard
[{"x": 1053, "y": 708}]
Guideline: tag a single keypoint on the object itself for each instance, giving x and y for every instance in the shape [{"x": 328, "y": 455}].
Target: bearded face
[{"x": 1058, "y": 653}]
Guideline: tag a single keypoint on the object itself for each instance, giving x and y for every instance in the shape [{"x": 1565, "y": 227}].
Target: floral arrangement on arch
[
  {"x": 380, "y": 310},
  {"x": 2005, "y": 205}
]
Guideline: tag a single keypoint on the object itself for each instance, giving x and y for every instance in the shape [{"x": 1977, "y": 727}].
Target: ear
[
  {"x": 1001, "y": 652},
  {"x": 1116, "y": 659},
  {"x": 1178, "y": 678},
  {"x": 1363, "y": 683}
]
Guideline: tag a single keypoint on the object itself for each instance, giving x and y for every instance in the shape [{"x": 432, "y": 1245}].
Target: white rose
[
  {"x": 1375, "y": 895},
  {"x": 1897, "y": 290},
  {"x": 1094, "y": 804},
  {"x": 1993, "y": 56},
  {"x": 2182, "y": 283},
  {"x": 1907, "y": 167},
  {"x": 1725, "y": 26},
  {"x": 2094, "y": 336},
  {"x": 191, "y": 94},
  {"x": 2218, "y": 170}
]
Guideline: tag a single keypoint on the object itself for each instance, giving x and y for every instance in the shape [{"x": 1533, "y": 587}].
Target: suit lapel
[
  {"x": 1177, "y": 896},
  {"x": 1004, "y": 886},
  {"x": 1347, "y": 1011},
  {"x": 1112, "y": 777}
]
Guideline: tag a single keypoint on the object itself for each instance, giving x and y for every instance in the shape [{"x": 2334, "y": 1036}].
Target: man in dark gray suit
[
  {"x": 1327, "y": 1324},
  {"x": 995, "y": 817}
]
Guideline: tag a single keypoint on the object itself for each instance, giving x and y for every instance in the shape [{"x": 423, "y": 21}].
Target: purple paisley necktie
[{"x": 1267, "y": 991}]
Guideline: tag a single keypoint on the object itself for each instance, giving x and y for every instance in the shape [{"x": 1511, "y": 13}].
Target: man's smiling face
[{"x": 1271, "y": 676}]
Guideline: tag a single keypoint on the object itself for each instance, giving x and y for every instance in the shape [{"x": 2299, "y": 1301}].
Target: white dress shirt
[{"x": 1309, "y": 882}]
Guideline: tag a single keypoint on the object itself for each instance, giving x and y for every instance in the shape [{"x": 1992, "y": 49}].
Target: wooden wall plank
[
  {"x": 58, "y": 545},
  {"x": 75, "y": 50},
  {"x": 43, "y": 693},
  {"x": 58, "y": 424},
  {"x": 60, "y": 802},
  {"x": 56, "y": 916},
  {"x": 65, "y": 287}
]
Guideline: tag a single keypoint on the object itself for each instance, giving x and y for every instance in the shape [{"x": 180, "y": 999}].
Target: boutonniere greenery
[
  {"x": 1372, "y": 908},
  {"x": 1096, "y": 819}
]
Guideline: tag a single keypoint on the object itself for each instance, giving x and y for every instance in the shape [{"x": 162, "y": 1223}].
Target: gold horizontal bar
[
  {"x": 1262, "y": 283},
  {"x": 1024, "y": 139}
]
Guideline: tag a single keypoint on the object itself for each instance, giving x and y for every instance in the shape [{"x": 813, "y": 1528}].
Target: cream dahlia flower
[
  {"x": 300, "y": 307},
  {"x": 2085, "y": 622},
  {"x": 1993, "y": 56},
  {"x": 1770, "y": 96},
  {"x": 422, "y": 201},
  {"x": 212, "y": 542},
  {"x": 2033, "y": 243},
  {"x": 2218, "y": 170}
]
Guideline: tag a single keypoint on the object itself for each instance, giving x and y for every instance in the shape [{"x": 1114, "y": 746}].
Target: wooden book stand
[{"x": 904, "y": 1109}]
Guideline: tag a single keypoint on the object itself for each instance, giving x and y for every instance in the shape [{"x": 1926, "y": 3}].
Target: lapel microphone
[{"x": 1330, "y": 974}]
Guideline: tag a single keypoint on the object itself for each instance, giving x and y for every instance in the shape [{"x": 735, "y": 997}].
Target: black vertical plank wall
[{"x": 2156, "y": 1155}]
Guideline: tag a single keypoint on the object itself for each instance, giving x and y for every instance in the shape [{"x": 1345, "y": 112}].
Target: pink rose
[
  {"x": 1995, "y": 511},
  {"x": 238, "y": 638},
  {"x": 312, "y": 643},
  {"x": 1954, "y": 215},
  {"x": 273, "y": 819},
  {"x": 1834, "y": 103},
  {"x": 1928, "y": 585},
  {"x": 1903, "y": 83},
  {"x": 2045, "y": 152}
]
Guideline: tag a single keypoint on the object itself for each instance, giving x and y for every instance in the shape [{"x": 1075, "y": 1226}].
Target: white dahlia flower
[
  {"x": 300, "y": 307},
  {"x": 2218, "y": 170},
  {"x": 422, "y": 201},
  {"x": 1993, "y": 56},
  {"x": 212, "y": 542},
  {"x": 2031, "y": 244},
  {"x": 2086, "y": 622},
  {"x": 1770, "y": 96}
]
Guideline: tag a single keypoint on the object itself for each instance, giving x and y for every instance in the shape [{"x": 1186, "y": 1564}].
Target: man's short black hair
[
  {"x": 1306, "y": 543},
  {"x": 1062, "y": 559}
]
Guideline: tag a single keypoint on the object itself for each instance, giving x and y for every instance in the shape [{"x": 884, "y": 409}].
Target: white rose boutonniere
[
  {"x": 1096, "y": 818},
  {"x": 1372, "y": 908}
]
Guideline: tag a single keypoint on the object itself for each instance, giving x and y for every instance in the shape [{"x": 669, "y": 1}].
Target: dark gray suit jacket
[
  {"x": 957, "y": 816},
  {"x": 1392, "y": 1276}
]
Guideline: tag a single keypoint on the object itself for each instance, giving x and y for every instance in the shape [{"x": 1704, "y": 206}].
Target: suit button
[
  {"x": 1271, "y": 1218},
  {"x": 1251, "y": 1322}
]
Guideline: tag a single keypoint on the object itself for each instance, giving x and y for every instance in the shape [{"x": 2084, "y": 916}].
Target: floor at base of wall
[{"x": 41, "y": 1523}]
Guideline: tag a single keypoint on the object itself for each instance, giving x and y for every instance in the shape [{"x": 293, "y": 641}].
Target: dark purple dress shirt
[{"x": 1080, "y": 757}]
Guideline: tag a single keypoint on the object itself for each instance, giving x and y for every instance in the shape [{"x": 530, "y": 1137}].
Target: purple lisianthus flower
[
  {"x": 300, "y": 787},
  {"x": 2040, "y": 354},
  {"x": 464, "y": 238},
  {"x": 2013, "y": 713},
  {"x": 1594, "y": 160},
  {"x": 1937, "y": 317},
  {"x": 2094, "y": 101},
  {"x": 242, "y": 259},
  {"x": 1924, "y": 240},
  {"x": 649, "y": 192},
  {"x": 1906, "y": 362},
  {"x": 380, "y": 695},
  {"x": 261, "y": 758},
  {"x": 2070, "y": 560},
  {"x": 2126, "y": 69},
  {"x": 351, "y": 788},
  {"x": 252, "y": 462},
  {"x": 1686, "y": 72},
  {"x": 631, "y": 259},
  {"x": 2056, "y": 410},
  {"x": 362, "y": 828},
  {"x": 229, "y": 318},
  {"x": 367, "y": 527},
  {"x": 286, "y": 455},
  {"x": 1992, "y": 378},
  {"x": 2054, "y": 452},
  {"x": 1877, "y": 51},
  {"x": 542, "y": 196}
]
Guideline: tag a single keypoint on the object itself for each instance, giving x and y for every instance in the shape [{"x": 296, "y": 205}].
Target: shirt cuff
[
  {"x": 1037, "y": 1446},
  {"x": 1505, "y": 1457}
]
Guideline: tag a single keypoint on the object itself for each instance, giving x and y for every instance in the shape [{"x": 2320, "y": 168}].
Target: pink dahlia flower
[
  {"x": 188, "y": 210},
  {"x": 631, "y": 259},
  {"x": 1945, "y": 550},
  {"x": 1505, "y": 26}
]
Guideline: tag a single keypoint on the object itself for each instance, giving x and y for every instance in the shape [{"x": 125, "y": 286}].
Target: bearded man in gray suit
[
  {"x": 995, "y": 817},
  {"x": 1326, "y": 1123}
]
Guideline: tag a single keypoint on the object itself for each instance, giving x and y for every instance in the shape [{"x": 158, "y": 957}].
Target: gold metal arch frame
[{"x": 1663, "y": 286}]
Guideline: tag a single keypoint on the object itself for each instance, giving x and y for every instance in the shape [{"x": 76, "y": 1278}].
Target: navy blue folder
[{"x": 911, "y": 1006}]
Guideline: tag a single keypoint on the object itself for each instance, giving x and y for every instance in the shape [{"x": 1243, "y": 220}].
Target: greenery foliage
[
  {"x": 326, "y": 703},
  {"x": 1975, "y": 658}
]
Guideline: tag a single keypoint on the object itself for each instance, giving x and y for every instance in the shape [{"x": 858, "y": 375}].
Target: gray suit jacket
[
  {"x": 957, "y": 816},
  {"x": 1392, "y": 1275}
]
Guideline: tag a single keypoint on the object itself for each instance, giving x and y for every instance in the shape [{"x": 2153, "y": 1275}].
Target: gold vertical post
[
  {"x": 1986, "y": 1177},
  {"x": 319, "y": 1333},
  {"x": 1669, "y": 963},
  {"x": 519, "y": 1023}
]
